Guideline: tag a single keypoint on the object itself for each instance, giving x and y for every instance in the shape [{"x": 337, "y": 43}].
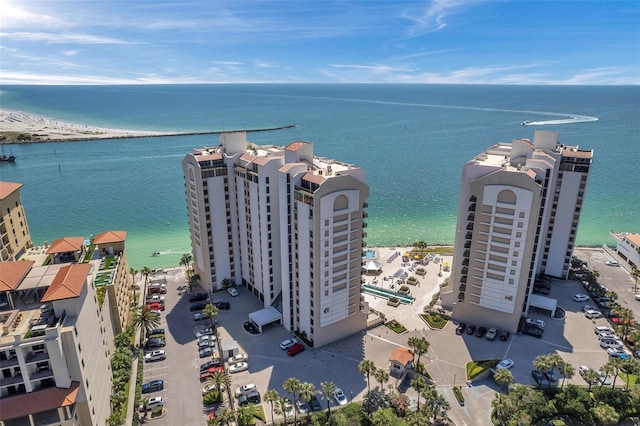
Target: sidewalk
[{"x": 131, "y": 408}]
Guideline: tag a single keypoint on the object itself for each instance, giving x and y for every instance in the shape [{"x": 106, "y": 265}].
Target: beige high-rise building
[
  {"x": 54, "y": 353},
  {"x": 286, "y": 225},
  {"x": 518, "y": 216},
  {"x": 14, "y": 230}
]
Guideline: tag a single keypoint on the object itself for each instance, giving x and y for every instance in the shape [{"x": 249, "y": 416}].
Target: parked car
[
  {"x": 532, "y": 331},
  {"x": 593, "y": 314},
  {"x": 491, "y": 333},
  {"x": 249, "y": 398},
  {"x": 206, "y": 344},
  {"x": 612, "y": 263},
  {"x": 157, "y": 355},
  {"x": 471, "y": 329},
  {"x": 536, "y": 323},
  {"x": 155, "y": 306},
  {"x": 155, "y": 298},
  {"x": 315, "y": 404},
  {"x": 206, "y": 375},
  {"x": 504, "y": 335},
  {"x": 155, "y": 343},
  {"x": 198, "y": 297},
  {"x": 197, "y": 307},
  {"x": 153, "y": 386},
  {"x": 286, "y": 344},
  {"x": 245, "y": 389},
  {"x": 550, "y": 375},
  {"x": 617, "y": 352},
  {"x": 199, "y": 316},
  {"x": 580, "y": 297},
  {"x": 586, "y": 308},
  {"x": 541, "y": 290},
  {"x": 460, "y": 328},
  {"x": 504, "y": 364},
  {"x": 638, "y": 296},
  {"x": 608, "y": 342},
  {"x": 238, "y": 358},
  {"x": 207, "y": 331},
  {"x": 209, "y": 387},
  {"x": 205, "y": 352},
  {"x": 295, "y": 349},
  {"x": 481, "y": 331},
  {"x": 603, "y": 329},
  {"x": 154, "y": 402},
  {"x": 215, "y": 362},
  {"x": 238, "y": 367},
  {"x": 340, "y": 397},
  {"x": 232, "y": 291},
  {"x": 302, "y": 406},
  {"x": 155, "y": 331},
  {"x": 222, "y": 305},
  {"x": 539, "y": 378}
]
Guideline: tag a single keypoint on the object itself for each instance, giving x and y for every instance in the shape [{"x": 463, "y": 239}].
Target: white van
[{"x": 606, "y": 342}]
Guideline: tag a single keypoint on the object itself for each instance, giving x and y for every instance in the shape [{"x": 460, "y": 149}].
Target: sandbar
[{"x": 24, "y": 127}]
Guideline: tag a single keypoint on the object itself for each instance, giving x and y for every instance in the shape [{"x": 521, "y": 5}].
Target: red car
[
  {"x": 209, "y": 373},
  {"x": 295, "y": 349},
  {"x": 155, "y": 306}
]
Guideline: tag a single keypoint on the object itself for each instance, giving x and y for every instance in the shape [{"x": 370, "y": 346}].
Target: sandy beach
[
  {"x": 23, "y": 127},
  {"x": 42, "y": 129}
]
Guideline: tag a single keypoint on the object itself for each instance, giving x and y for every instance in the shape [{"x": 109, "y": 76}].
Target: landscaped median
[
  {"x": 435, "y": 321},
  {"x": 395, "y": 326},
  {"x": 477, "y": 370}
]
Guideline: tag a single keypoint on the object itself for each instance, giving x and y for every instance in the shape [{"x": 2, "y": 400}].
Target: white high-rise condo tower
[
  {"x": 286, "y": 225},
  {"x": 518, "y": 215}
]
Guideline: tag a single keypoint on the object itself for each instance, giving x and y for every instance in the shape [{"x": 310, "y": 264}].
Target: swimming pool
[{"x": 369, "y": 254}]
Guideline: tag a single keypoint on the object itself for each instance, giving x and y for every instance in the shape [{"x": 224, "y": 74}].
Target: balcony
[{"x": 472, "y": 207}]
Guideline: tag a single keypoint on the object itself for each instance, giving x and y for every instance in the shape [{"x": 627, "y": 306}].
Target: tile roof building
[
  {"x": 15, "y": 238},
  {"x": 286, "y": 225}
]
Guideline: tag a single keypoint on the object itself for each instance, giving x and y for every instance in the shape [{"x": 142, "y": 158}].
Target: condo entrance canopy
[
  {"x": 541, "y": 302},
  {"x": 265, "y": 316}
]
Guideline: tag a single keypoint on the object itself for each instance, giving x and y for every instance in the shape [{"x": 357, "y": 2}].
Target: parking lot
[{"x": 269, "y": 366}]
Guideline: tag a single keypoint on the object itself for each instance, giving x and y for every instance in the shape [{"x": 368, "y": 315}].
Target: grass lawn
[
  {"x": 435, "y": 320},
  {"x": 633, "y": 379},
  {"x": 475, "y": 368},
  {"x": 258, "y": 412},
  {"x": 395, "y": 326}
]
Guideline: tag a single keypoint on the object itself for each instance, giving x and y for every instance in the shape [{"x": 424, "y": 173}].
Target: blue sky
[{"x": 575, "y": 42}]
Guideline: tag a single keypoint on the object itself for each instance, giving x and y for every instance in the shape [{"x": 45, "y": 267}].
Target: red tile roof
[
  {"x": 294, "y": 146},
  {"x": 8, "y": 188},
  {"x": 12, "y": 273},
  {"x": 401, "y": 355},
  {"x": 38, "y": 401},
  {"x": 68, "y": 282},
  {"x": 110, "y": 237},
  {"x": 65, "y": 244},
  {"x": 314, "y": 178}
]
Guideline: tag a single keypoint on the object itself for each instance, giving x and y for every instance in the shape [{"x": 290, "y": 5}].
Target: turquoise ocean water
[{"x": 411, "y": 139}]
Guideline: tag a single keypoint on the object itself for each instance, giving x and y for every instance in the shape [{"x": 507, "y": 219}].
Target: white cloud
[
  {"x": 70, "y": 52},
  {"x": 263, "y": 64},
  {"x": 433, "y": 17},
  {"x": 14, "y": 17},
  {"x": 62, "y": 38}
]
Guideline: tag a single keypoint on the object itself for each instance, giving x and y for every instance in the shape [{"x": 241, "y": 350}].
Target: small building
[
  {"x": 400, "y": 360},
  {"x": 628, "y": 247}
]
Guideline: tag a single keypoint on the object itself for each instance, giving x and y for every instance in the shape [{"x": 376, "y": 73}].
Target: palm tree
[
  {"x": 544, "y": 363},
  {"x": 635, "y": 273},
  {"x": 281, "y": 408},
  {"x": 210, "y": 311},
  {"x": 592, "y": 377},
  {"x": 566, "y": 371},
  {"x": 145, "y": 271},
  {"x": 629, "y": 366},
  {"x": 292, "y": 385},
  {"x": 625, "y": 319},
  {"x": 418, "y": 383},
  {"x": 220, "y": 379},
  {"x": 145, "y": 320},
  {"x": 381, "y": 376},
  {"x": 613, "y": 366},
  {"x": 194, "y": 279},
  {"x": 185, "y": 261},
  {"x": 271, "y": 396},
  {"x": 222, "y": 418},
  {"x": 375, "y": 400},
  {"x": 419, "y": 345},
  {"x": 503, "y": 377},
  {"x": 437, "y": 405},
  {"x": 245, "y": 415},
  {"x": 367, "y": 367},
  {"x": 328, "y": 388},
  {"x": 307, "y": 392}
]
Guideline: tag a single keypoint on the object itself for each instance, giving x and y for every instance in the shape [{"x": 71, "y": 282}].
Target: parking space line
[{"x": 387, "y": 341}]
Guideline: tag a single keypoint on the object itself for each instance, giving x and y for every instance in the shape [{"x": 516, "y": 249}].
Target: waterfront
[{"x": 411, "y": 140}]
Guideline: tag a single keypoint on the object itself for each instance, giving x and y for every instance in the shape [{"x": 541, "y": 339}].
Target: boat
[
  {"x": 524, "y": 123},
  {"x": 4, "y": 158},
  {"x": 155, "y": 253}
]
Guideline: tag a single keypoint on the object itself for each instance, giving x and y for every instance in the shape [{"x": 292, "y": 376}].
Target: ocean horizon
[{"x": 411, "y": 140}]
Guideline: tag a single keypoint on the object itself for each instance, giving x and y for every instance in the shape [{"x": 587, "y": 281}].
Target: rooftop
[
  {"x": 39, "y": 401},
  {"x": 66, "y": 244},
  {"x": 8, "y": 188},
  {"x": 401, "y": 355},
  {"x": 110, "y": 237},
  {"x": 68, "y": 283}
]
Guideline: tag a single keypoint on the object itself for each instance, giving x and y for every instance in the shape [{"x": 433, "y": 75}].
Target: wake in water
[{"x": 570, "y": 120}]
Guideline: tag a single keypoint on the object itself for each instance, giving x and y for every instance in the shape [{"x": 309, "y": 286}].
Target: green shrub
[
  {"x": 458, "y": 393},
  {"x": 395, "y": 326},
  {"x": 435, "y": 320},
  {"x": 475, "y": 368}
]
